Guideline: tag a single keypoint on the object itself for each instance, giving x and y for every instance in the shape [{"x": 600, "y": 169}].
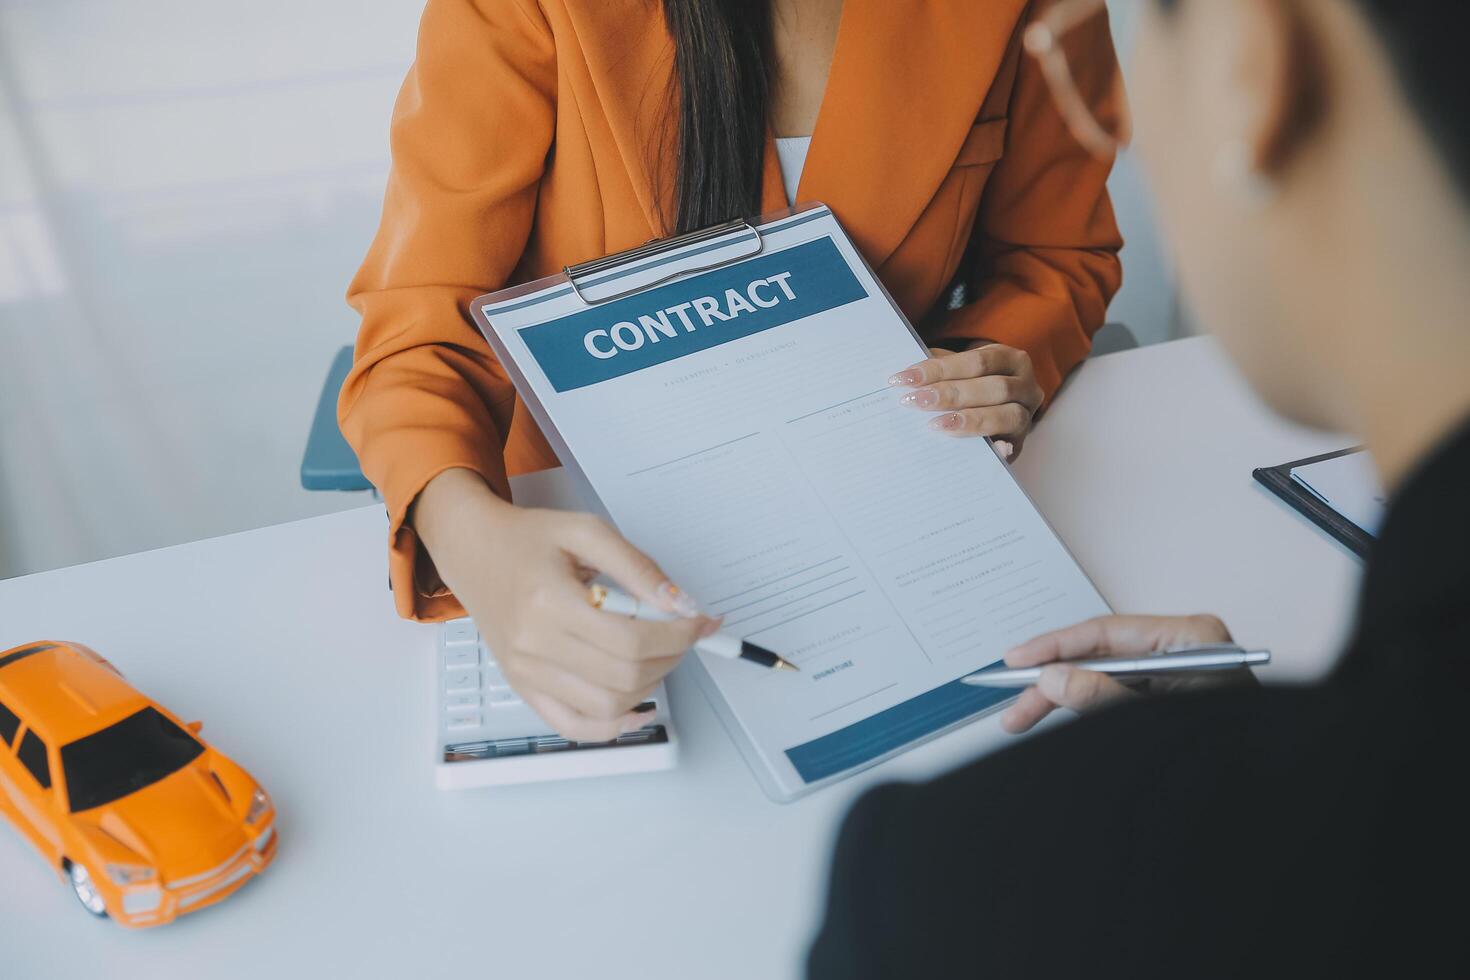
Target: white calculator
[{"x": 487, "y": 736}]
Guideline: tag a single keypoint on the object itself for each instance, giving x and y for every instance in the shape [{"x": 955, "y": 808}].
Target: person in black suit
[{"x": 1312, "y": 163}]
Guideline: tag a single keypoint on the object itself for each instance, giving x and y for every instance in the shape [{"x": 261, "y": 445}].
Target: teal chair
[
  {"x": 1112, "y": 338},
  {"x": 329, "y": 463}
]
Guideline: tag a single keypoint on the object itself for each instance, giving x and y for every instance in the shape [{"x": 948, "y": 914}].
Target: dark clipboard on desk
[{"x": 1313, "y": 506}]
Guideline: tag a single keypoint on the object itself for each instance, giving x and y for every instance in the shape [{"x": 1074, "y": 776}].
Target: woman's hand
[
  {"x": 986, "y": 391},
  {"x": 523, "y": 573},
  {"x": 1061, "y": 686}
]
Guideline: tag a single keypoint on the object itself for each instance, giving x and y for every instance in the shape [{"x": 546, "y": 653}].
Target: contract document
[{"x": 725, "y": 400}]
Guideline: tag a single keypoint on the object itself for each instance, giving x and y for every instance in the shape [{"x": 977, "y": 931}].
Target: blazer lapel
[
  {"x": 907, "y": 81},
  {"x": 629, "y": 75}
]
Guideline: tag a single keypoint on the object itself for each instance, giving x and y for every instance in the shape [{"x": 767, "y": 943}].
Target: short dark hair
[{"x": 1425, "y": 40}]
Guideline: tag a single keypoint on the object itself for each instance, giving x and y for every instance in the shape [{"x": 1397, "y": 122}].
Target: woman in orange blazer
[{"x": 534, "y": 134}]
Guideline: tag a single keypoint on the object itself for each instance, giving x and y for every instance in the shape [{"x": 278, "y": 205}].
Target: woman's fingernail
[
  {"x": 924, "y": 398},
  {"x": 948, "y": 423},
  {"x": 711, "y": 626},
  {"x": 632, "y": 721},
  {"x": 909, "y": 377},
  {"x": 676, "y": 600},
  {"x": 1006, "y": 450}
]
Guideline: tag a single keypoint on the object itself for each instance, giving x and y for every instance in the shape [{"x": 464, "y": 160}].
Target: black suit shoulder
[{"x": 1177, "y": 815}]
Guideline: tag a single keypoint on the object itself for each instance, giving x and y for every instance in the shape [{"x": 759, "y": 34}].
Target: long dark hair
[{"x": 721, "y": 62}]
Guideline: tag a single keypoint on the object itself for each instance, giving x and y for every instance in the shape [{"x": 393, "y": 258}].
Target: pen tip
[{"x": 765, "y": 658}]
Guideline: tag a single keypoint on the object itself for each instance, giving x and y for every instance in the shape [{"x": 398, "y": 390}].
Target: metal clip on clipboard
[{"x": 585, "y": 274}]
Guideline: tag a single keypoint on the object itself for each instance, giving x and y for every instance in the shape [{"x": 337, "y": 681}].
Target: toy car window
[
  {"x": 123, "y": 758},
  {"x": 11, "y": 658},
  {"x": 33, "y": 756},
  {"x": 9, "y": 725}
]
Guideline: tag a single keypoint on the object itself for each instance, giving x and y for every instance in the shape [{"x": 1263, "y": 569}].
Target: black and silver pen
[{"x": 720, "y": 644}]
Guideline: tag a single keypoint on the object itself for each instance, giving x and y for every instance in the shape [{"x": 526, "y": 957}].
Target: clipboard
[
  {"x": 592, "y": 282},
  {"x": 852, "y": 735},
  {"x": 1279, "y": 480}
]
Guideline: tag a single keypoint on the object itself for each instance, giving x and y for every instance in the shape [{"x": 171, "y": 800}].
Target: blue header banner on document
[{"x": 666, "y": 323}]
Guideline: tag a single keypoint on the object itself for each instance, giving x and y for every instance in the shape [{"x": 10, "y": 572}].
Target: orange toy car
[{"x": 144, "y": 819}]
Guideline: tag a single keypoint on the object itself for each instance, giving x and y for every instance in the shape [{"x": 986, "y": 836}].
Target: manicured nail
[
  {"x": 632, "y": 722},
  {"x": 1006, "y": 450},
  {"x": 948, "y": 423},
  {"x": 711, "y": 626},
  {"x": 676, "y": 600},
  {"x": 645, "y": 708},
  {"x": 924, "y": 398},
  {"x": 909, "y": 377}
]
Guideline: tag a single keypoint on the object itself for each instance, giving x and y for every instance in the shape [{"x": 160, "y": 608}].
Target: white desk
[{"x": 283, "y": 641}]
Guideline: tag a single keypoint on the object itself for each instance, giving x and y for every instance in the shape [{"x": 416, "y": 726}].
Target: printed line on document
[
  {"x": 962, "y": 624},
  {"x": 1016, "y": 629},
  {"x": 978, "y": 586},
  {"x": 767, "y": 629},
  {"x": 829, "y": 408},
  {"x": 781, "y": 592},
  {"x": 923, "y": 538},
  {"x": 700, "y": 452},
  {"x": 825, "y": 561},
  {"x": 956, "y": 611},
  {"x": 854, "y": 701},
  {"x": 1022, "y": 585},
  {"x": 843, "y": 645},
  {"x": 830, "y": 431},
  {"x": 1031, "y": 609},
  {"x": 791, "y": 602},
  {"x": 1027, "y": 597}
]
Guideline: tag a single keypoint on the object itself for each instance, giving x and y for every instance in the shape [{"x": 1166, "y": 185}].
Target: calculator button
[
  {"x": 494, "y": 678},
  {"x": 461, "y": 702},
  {"x": 499, "y": 697},
  {"x": 461, "y": 681},
  {"x": 461, "y": 722},
  {"x": 462, "y": 656},
  {"x": 460, "y": 631}
]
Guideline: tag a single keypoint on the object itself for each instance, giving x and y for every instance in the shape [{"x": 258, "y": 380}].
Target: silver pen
[{"x": 1202, "y": 659}]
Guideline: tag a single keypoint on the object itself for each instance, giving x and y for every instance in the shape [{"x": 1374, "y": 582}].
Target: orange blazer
[{"x": 532, "y": 134}]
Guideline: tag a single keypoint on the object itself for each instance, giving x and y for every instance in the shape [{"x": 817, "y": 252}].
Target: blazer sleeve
[
  {"x": 470, "y": 134},
  {"x": 1043, "y": 256}
]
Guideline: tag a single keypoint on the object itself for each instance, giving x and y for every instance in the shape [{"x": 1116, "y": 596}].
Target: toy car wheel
[{"x": 86, "y": 890}]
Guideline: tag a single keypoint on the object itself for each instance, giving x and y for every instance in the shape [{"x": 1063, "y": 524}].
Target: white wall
[
  {"x": 1147, "y": 302},
  {"x": 186, "y": 187}
]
